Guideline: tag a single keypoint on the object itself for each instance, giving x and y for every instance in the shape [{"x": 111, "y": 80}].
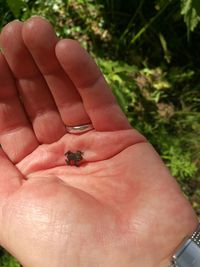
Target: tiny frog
[{"x": 73, "y": 157}]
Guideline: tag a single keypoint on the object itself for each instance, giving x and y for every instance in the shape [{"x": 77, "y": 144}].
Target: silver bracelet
[{"x": 188, "y": 253}]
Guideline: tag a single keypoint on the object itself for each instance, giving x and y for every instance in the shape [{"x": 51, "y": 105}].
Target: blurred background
[{"x": 149, "y": 53}]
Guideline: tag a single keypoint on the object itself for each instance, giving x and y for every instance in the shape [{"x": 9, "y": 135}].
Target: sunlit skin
[{"x": 120, "y": 207}]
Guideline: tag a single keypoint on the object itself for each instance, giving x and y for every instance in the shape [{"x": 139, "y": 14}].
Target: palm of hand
[
  {"x": 105, "y": 212},
  {"x": 104, "y": 203}
]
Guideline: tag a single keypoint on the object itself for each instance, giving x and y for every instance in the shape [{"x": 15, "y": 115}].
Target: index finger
[
  {"x": 16, "y": 134},
  {"x": 98, "y": 99}
]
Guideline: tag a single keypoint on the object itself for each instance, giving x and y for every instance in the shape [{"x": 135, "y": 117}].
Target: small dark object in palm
[{"x": 73, "y": 158}]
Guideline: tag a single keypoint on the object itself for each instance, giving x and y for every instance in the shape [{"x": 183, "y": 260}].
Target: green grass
[{"x": 6, "y": 260}]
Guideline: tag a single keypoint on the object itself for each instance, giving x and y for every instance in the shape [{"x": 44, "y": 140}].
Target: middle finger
[{"x": 42, "y": 48}]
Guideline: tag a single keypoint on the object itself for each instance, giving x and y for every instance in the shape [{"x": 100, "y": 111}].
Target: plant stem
[{"x": 137, "y": 36}]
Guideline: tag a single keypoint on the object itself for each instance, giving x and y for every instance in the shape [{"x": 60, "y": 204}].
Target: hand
[{"x": 120, "y": 207}]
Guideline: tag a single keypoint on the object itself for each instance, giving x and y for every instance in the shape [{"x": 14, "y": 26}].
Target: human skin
[{"x": 121, "y": 207}]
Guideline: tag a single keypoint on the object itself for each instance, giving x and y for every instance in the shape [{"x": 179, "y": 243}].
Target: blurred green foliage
[
  {"x": 6, "y": 260},
  {"x": 149, "y": 54}
]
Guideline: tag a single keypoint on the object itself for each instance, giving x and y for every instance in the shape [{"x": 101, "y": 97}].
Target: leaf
[
  {"x": 163, "y": 42},
  {"x": 121, "y": 99},
  {"x": 16, "y": 6},
  {"x": 190, "y": 9}
]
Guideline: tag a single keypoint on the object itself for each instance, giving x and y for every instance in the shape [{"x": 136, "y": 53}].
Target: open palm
[{"x": 120, "y": 207}]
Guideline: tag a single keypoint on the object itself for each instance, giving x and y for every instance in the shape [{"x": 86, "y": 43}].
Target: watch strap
[
  {"x": 196, "y": 236},
  {"x": 188, "y": 250}
]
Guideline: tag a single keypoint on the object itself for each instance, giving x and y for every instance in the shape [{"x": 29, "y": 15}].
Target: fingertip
[
  {"x": 68, "y": 43},
  {"x": 36, "y": 28},
  {"x": 8, "y": 31},
  {"x": 68, "y": 49},
  {"x": 34, "y": 20},
  {"x": 9, "y": 25},
  {"x": 77, "y": 62}
]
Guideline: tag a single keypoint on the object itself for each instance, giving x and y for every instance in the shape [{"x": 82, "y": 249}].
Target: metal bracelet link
[{"x": 195, "y": 237}]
